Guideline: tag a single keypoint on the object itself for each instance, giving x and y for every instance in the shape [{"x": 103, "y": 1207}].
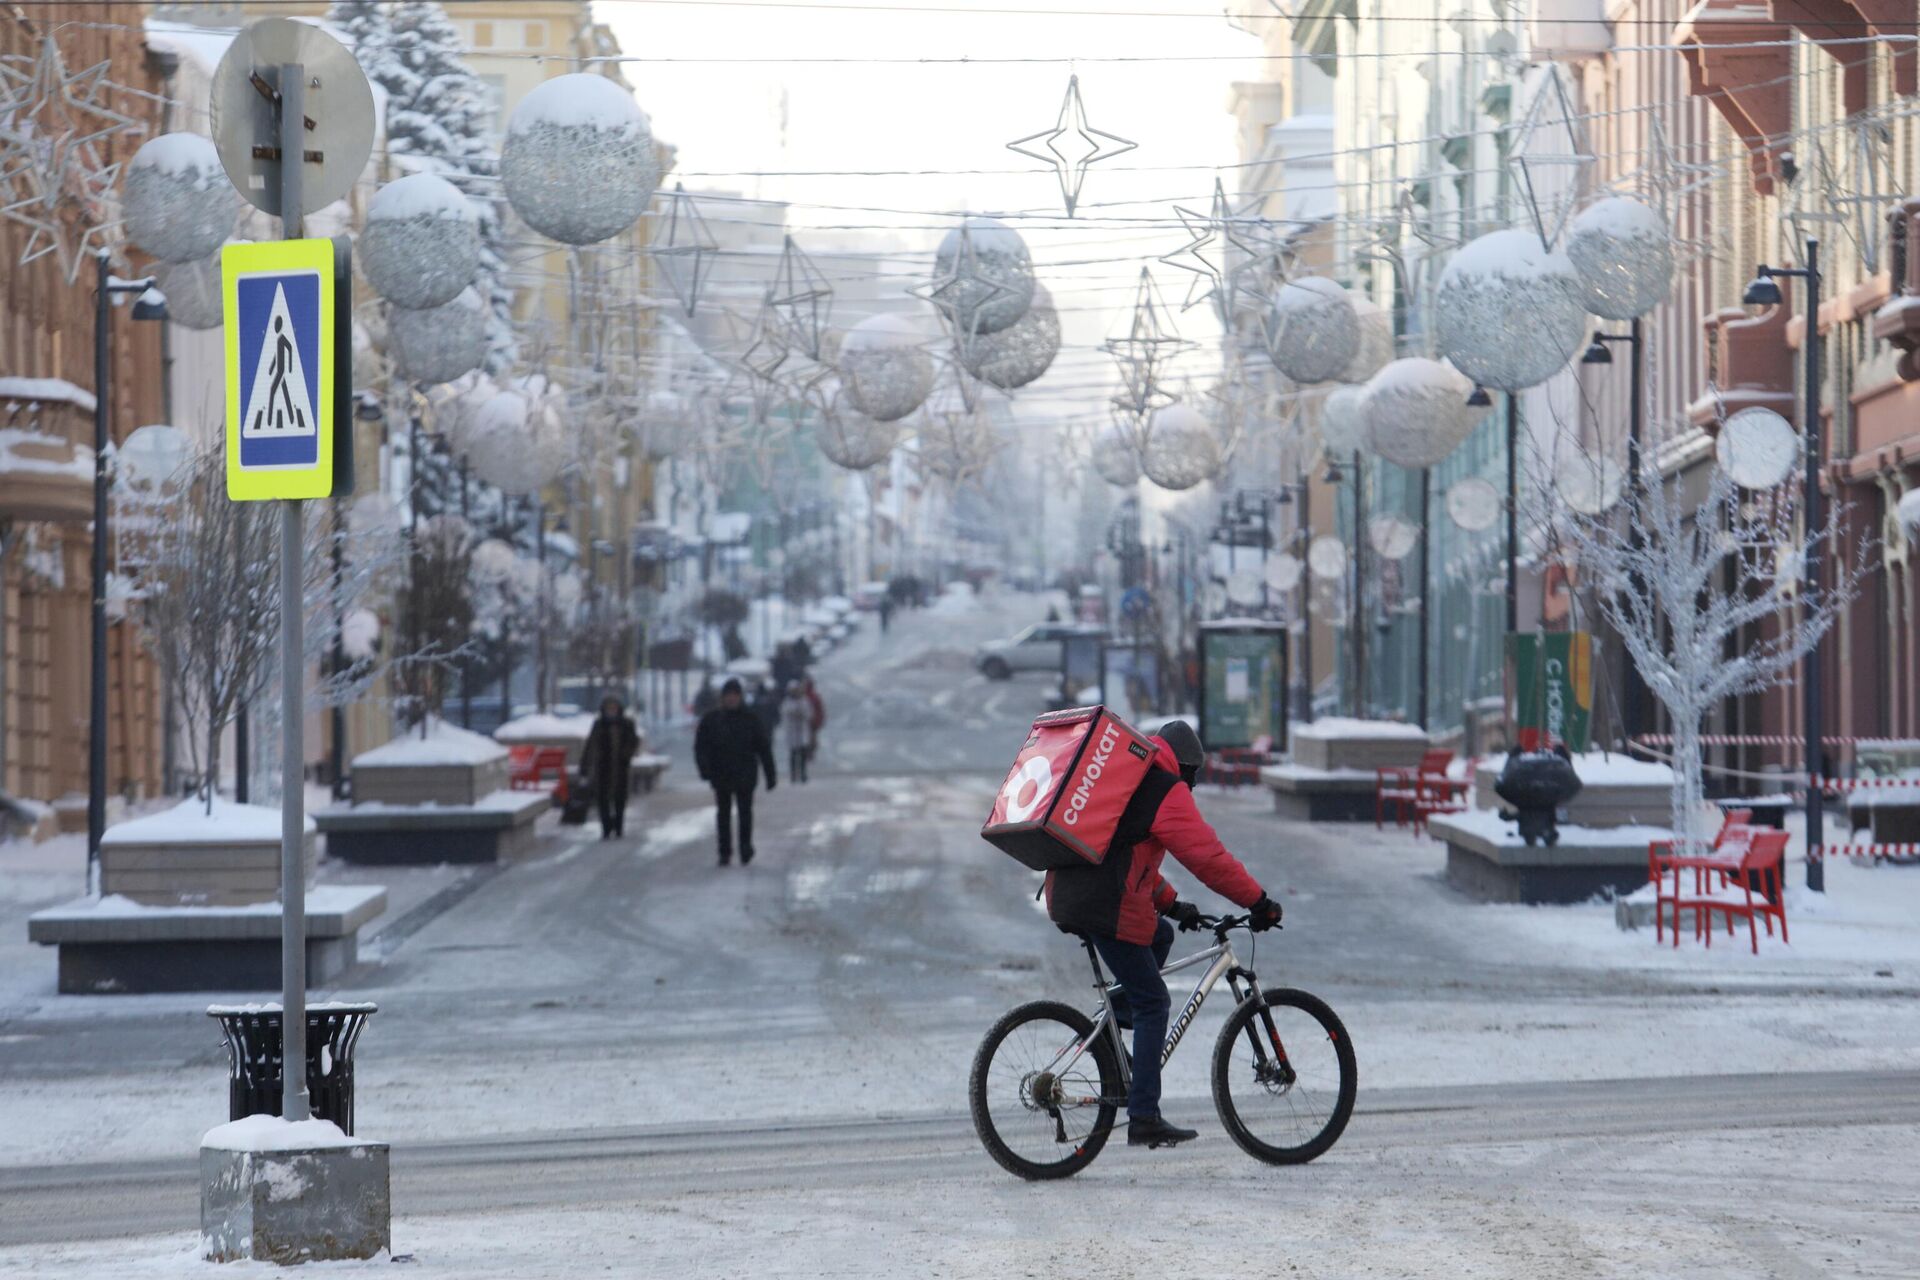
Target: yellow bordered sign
[{"x": 279, "y": 302}]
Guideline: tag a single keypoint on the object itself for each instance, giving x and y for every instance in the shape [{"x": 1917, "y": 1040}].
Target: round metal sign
[
  {"x": 338, "y": 111},
  {"x": 1758, "y": 448}
]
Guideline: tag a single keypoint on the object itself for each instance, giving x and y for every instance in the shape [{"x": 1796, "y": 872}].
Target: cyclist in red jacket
[{"x": 1127, "y": 910}]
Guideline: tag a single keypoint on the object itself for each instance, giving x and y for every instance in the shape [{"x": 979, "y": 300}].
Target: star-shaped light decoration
[
  {"x": 1551, "y": 136},
  {"x": 57, "y": 177},
  {"x": 1857, "y": 184},
  {"x": 686, "y": 249},
  {"x": 1663, "y": 181},
  {"x": 766, "y": 347},
  {"x": 802, "y": 299},
  {"x": 1072, "y": 145},
  {"x": 1144, "y": 351},
  {"x": 1230, "y": 255}
]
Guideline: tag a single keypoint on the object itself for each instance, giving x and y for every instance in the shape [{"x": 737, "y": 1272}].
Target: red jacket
[{"x": 1125, "y": 894}]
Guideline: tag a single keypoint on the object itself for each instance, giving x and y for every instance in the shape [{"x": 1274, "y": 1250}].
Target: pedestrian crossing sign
[{"x": 279, "y": 307}]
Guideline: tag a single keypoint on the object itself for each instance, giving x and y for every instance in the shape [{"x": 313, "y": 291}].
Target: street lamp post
[
  {"x": 107, "y": 288},
  {"x": 1633, "y": 712},
  {"x": 1764, "y": 292}
]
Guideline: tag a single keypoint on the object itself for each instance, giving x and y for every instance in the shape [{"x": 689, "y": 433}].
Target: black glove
[
  {"x": 1186, "y": 915},
  {"x": 1263, "y": 915}
]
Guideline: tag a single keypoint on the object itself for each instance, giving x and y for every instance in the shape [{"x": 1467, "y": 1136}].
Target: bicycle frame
[{"x": 1221, "y": 963}]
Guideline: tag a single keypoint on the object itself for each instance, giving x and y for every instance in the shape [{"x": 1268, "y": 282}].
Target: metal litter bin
[{"x": 255, "y": 1071}]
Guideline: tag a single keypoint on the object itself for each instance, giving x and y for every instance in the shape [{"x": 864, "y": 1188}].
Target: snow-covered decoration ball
[
  {"x": 1181, "y": 449},
  {"x": 1313, "y": 332},
  {"x": 1375, "y": 349},
  {"x": 1908, "y": 513},
  {"x": 1327, "y": 557},
  {"x": 421, "y": 245},
  {"x": 854, "y": 441},
  {"x": 440, "y": 343},
  {"x": 885, "y": 370},
  {"x": 663, "y": 427},
  {"x": 578, "y": 163},
  {"x": 456, "y": 404},
  {"x": 177, "y": 201},
  {"x": 153, "y": 455},
  {"x": 1757, "y": 448},
  {"x": 1021, "y": 352},
  {"x": 1473, "y": 504},
  {"x": 1589, "y": 485},
  {"x": 995, "y": 288},
  {"x": 1623, "y": 251},
  {"x": 1343, "y": 422},
  {"x": 193, "y": 291},
  {"x": 1284, "y": 572},
  {"x": 1508, "y": 312},
  {"x": 508, "y": 446},
  {"x": 956, "y": 445},
  {"x": 492, "y": 562},
  {"x": 1417, "y": 412},
  {"x": 1115, "y": 460},
  {"x": 360, "y": 634},
  {"x": 1392, "y": 537}
]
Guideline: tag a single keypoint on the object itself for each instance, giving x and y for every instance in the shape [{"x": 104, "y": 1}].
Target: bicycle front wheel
[
  {"x": 1284, "y": 1076},
  {"x": 1038, "y": 1113}
]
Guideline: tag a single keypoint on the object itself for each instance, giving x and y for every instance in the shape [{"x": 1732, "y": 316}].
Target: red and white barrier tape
[
  {"x": 1765, "y": 740},
  {"x": 1911, "y": 850},
  {"x": 1863, "y": 784}
]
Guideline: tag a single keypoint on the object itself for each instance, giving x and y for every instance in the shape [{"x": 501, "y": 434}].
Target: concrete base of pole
[{"x": 288, "y": 1207}]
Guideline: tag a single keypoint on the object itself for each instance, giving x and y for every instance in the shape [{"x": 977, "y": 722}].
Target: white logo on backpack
[{"x": 1037, "y": 771}]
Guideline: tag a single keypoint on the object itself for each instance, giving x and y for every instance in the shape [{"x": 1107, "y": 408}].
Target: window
[
  {"x": 483, "y": 35},
  {"x": 536, "y": 35}
]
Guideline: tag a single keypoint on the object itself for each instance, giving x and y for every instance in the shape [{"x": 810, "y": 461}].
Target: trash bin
[{"x": 254, "y": 1070}]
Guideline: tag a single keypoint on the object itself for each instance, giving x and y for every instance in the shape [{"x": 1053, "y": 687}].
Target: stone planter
[
  {"x": 1338, "y": 743},
  {"x": 447, "y": 765},
  {"x": 185, "y": 857}
]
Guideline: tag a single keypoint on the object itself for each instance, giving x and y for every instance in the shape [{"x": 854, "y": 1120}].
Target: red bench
[{"x": 531, "y": 768}]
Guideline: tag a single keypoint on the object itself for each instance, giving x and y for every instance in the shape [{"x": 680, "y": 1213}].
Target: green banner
[
  {"x": 1553, "y": 684},
  {"x": 1243, "y": 680}
]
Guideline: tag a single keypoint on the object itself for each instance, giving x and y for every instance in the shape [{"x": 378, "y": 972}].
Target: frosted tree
[
  {"x": 434, "y": 616},
  {"x": 439, "y": 119},
  {"x": 1709, "y": 603}
]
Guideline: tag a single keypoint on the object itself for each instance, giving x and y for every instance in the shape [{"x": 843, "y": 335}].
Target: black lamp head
[
  {"x": 150, "y": 305},
  {"x": 1763, "y": 291},
  {"x": 1479, "y": 399},
  {"x": 1597, "y": 352}
]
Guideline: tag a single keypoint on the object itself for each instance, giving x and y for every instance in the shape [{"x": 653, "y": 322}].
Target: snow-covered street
[{"x": 613, "y": 1055}]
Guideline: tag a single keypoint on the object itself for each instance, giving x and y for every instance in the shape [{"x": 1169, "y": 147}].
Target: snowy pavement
[{"x": 557, "y": 1037}]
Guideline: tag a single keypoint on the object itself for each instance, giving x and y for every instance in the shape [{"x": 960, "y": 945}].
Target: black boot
[{"x": 1157, "y": 1133}]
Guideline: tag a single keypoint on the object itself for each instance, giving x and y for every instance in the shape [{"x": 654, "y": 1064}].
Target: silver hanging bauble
[
  {"x": 457, "y": 404},
  {"x": 1375, "y": 348},
  {"x": 885, "y": 370},
  {"x": 578, "y": 163},
  {"x": 1181, "y": 449},
  {"x": 957, "y": 444},
  {"x": 1623, "y": 251},
  {"x": 1757, "y": 448},
  {"x": 421, "y": 245},
  {"x": 1115, "y": 460},
  {"x": 988, "y": 291},
  {"x": 440, "y": 343},
  {"x": 193, "y": 291},
  {"x": 1508, "y": 312},
  {"x": 1589, "y": 485},
  {"x": 1392, "y": 537},
  {"x": 1313, "y": 331},
  {"x": 492, "y": 562},
  {"x": 1327, "y": 557},
  {"x": 1417, "y": 412},
  {"x": 854, "y": 441},
  {"x": 1343, "y": 422},
  {"x": 178, "y": 203},
  {"x": 508, "y": 446},
  {"x": 1473, "y": 504},
  {"x": 1021, "y": 352}
]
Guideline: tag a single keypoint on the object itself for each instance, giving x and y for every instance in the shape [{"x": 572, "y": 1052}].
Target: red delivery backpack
[{"x": 1070, "y": 784}]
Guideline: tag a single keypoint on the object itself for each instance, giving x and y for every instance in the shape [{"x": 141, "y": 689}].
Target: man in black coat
[
  {"x": 730, "y": 749},
  {"x": 606, "y": 762}
]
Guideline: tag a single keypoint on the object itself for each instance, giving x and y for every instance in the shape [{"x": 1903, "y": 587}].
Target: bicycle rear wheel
[
  {"x": 1037, "y": 1117},
  {"x": 1284, "y": 1076}
]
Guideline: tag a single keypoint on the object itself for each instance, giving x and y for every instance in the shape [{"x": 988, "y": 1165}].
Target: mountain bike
[{"x": 1048, "y": 1079}]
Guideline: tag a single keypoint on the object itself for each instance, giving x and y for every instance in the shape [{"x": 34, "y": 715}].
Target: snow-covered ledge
[
  {"x": 1339, "y": 742},
  {"x": 442, "y": 764},
  {"x": 545, "y": 729},
  {"x": 273, "y": 1190},
  {"x": 1615, "y": 790},
  {"x": 223, "y": 855}
]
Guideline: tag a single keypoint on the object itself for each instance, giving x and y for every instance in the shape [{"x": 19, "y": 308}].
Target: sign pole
[{"x": 293, "y": 869}]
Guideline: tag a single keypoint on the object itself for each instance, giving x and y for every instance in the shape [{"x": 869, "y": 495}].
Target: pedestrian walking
[
  {"x": 606, "y": 765},
  {"x": 730, "y": 750},
  {"x": 796, "y": 729},
  {"x": 886, "y": 613}
]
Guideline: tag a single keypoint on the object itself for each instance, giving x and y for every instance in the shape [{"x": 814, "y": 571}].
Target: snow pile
[
  {"x": 441, "y": 744},
  {"x": 544, "y": 725},
  {"x": 57, "y": 390},
  {"x": 1328, "y": 727},
  {"x": 271, "y": 1133},
  {"x": 189, "y": 822},
  {"x": 1488, "y": 824},
  {"x": 44, "y": 455}
]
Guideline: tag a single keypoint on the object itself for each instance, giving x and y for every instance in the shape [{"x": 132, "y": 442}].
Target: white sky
[{"x": 725, "y": 118}]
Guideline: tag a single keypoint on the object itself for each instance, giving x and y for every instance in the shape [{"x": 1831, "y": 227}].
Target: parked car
[
  {"x": 868, "y": 595},
  {"x": 1037, "y": 648}
]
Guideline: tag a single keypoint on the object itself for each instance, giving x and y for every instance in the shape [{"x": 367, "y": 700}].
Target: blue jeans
[{"x": 1137, "y": 969}]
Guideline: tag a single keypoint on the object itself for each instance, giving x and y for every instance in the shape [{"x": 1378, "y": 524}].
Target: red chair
[
  {"x": 520, "y": 770},
  {"x": 1238, "y": 766},
  {"x": 1398, "y": 787},
  {"x": 1726, "y": 885},
  {"x": 1438, "y": 793},
  {"x": 538, "y": 768}
]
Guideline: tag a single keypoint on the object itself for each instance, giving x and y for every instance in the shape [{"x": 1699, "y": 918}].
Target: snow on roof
[
  {"x": 442, "y": 743},
  {"x": 73, "y": 460},
  {"x": 1347, "y": 727},
  {"x": 189, "y": 822},
  {"x": 271, "y": 1133},
  {"x": 420, "y": 195},
  {"x": 51, "y": 389},
  {"x": 545, "y": 724}
]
